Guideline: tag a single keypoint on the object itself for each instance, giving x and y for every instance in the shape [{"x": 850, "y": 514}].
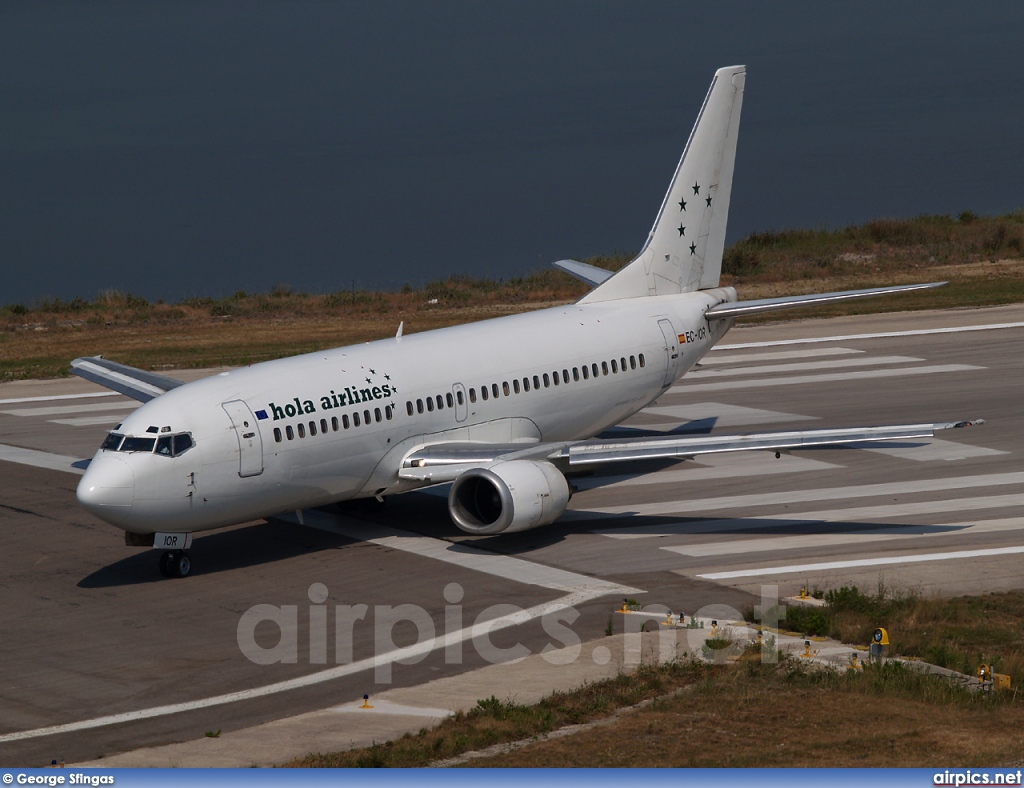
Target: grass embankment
[
  {"x": 980, "y": 256},
  {"x": 756, "y": 714},
  {"x": 959, "y": 633}
]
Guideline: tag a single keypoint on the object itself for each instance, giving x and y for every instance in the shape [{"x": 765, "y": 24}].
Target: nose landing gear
[{"x": 175, "y": 563}]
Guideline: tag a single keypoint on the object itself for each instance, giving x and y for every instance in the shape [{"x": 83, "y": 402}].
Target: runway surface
[{"x": 92, "y": 639}]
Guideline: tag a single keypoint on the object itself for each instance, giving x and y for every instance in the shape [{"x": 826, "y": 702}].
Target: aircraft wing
[
  {"x": 135, "y": 383},
  {"x": 445, "y": 462}
]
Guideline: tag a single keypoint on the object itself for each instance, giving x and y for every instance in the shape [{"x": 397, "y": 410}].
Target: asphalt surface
[{"x": 89, "y": 629}]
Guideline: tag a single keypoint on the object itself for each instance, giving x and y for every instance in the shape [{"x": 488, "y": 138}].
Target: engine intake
[{"x": 506, "y": 497}]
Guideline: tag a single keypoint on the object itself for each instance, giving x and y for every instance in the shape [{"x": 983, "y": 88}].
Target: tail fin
[{"x": 683, "y": 252}]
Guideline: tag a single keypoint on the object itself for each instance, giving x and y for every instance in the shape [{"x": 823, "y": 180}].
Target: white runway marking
[
  {"x": 501, "y": 566},
  {"x": 19, "y": 400},
  {"x": 781, "y": 355},
  {"x": 805, "y": 366},
  {"x": 703, "y": 505},
  {"x": 89, "y": 421},
  {"x": 933, "y": 449},
  {"x": 887, "y": 511},
  {"x": 39, "y": 459},
  {"x": 65, "y": 409},
  {"x": 826, "y": 378},
  {"x": 743, "y": 546},
  {"x": 729, "y": 466},
  {"x": 723, "y": 414},
  {"x": 903, "y": 559},
  {"x": 880, "y": 335},
  {"x": 409, "y": 652}
]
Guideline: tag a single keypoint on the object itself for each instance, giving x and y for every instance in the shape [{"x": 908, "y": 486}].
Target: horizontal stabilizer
[
  {"x": 135, "y": 383},
  {"x": 743, "y": 308},
  {"x": 590, "y": 274}
]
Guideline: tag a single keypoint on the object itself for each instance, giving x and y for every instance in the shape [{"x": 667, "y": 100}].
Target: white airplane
[{"x": 501, "y": 409}]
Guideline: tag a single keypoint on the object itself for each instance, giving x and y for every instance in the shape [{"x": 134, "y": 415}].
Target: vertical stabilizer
[{"x": 683, "y": 252}]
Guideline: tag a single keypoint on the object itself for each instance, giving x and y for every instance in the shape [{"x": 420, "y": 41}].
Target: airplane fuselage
[{"x": 333, "y": 425}]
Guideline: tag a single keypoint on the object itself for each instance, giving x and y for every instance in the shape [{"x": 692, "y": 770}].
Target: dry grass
[{"x": 784, "y": 718}]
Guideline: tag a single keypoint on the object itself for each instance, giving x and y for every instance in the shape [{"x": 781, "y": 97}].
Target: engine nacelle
[{"x": 506, "y": 497}]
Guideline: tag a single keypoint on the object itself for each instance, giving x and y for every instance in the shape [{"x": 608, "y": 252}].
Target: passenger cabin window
[
  {"x": 604, "y": 367},
  {"x": 312, "y": 429},
  {"x": 419, "y": 406},
  {"x": 344, "y": 420},
  {"x": 586, "y": 372},
  {"x": 547, "y": 380},
  {"x": 494, "y": 390},
  {"x": 302, "y": 430},
  {"x": 449, "y": 400},
  {"x": 355, "y": 419},
  {"x": 440, "y": 402},
  {"x": 515, "y": 385},
  {"x": 615, "y": 367},
  {"x": 430, "y": 404},
  {"x": 366, "y": 416},
  {"x": 483, "y": 392},
  {"x": 472, "y": 396},
  {"x": 277, "y": 438},
  {"x": 376, "y": 415},
  {"x": 504, "y": 387},
  {"x": 576, "y": 374},
  {"x": 323, "y": 426},
  {"x": 642, "y": 363},
  {"x": 408, "y": 407},
  {"x": 288, "y": 431},
  {"x": 334, "y": 423},
  {"x": 388, "y": 412}
]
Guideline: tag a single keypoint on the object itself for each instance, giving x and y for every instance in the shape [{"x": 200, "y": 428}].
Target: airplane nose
[{"x": 107, "y": 488}]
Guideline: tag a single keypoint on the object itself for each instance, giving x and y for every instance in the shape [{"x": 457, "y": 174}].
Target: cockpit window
[
  {"x": 182, "y": 443},
  {"x": 138, "y": 444},
  {"x": 113, "y": 442},
  {"x": 173, "y": 445}
]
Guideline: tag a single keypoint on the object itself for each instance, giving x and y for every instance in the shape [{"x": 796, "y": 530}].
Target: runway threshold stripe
[
  {"x": 832, "y": 377},
  {"x": 40, "y": 459},
  {"x": 781, "y": 355},
  {"x": 703, "y": 505},
  {"x": 409, "y": 652},
  {"x": 56, "y": 397},
  {"x": 845, "y": 537},
  {"x": 803, "y": 366},
  {"x": 66, "y": 409},
  {"x": 902, "y": 559},
  {"x": 879, "y": 335}
]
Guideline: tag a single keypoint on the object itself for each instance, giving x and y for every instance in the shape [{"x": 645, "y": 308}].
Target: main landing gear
[{"x": 175, "y": 563}]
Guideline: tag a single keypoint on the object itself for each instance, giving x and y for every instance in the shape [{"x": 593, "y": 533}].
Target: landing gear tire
[{"x": 175, "y": 563}]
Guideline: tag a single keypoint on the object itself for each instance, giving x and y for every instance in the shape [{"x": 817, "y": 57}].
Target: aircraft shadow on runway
[{"x": 221, "y": 551}]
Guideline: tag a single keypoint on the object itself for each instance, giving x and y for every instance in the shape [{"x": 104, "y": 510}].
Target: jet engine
[{"x": 506, "y": 497}]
